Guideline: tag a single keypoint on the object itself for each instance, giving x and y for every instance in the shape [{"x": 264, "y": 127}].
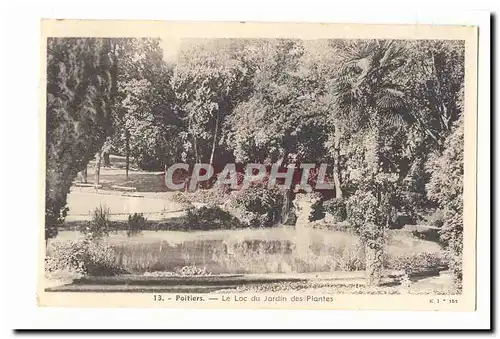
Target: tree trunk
[
  {"x": 107, "y": 162},
  {"x": 336, "y": 163},
  {"x": 374, "y": 246},
  {"x": 287, "y": 205},
  {"x": 215, "y": 138},
  {"x": 83, "y": 176},
  {"x": 127, "y": 153},
  {"x": 444, "y": 117},
  {"x": 97, "y": 169},
  {"x": 195, "y": 144},
  {"x": 195, "y": 147},
  {"x": 374, "y": 264}
]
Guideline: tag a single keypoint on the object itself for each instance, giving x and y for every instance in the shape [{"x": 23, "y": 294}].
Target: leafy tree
[
  {"x": 369, "y": 99},
  {"x": 284, "y": 118},
  {"x": 435, "y": 80},
  {"x": 81, "y": 81},
  {"x": 446, "y": 187},
  {"x": 208, "y": 81},
  {"x": 145, "y": 122},
  {"x": 283, "y": 122},
  {"x": 401, "y": 96},
  {"x": 323, "y": 60}
]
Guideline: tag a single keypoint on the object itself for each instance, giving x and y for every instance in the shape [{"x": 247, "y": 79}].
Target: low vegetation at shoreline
[{"x": 249, "y": 251}]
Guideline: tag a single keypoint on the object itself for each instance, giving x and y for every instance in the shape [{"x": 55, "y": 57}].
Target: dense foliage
[
  {"x": 136, "y": 223},
  {"x": 337, "y": 208},
  {"x": 211, "y": 218},
  {"x": 385, "y": 115},
  {"x": 81, "y": 83},
  {"x": 258, "y": 205},
  {"x": 446, "y": 187},
  {"x": 82, "y": 257},
  {"x": 99, "y": 226}
]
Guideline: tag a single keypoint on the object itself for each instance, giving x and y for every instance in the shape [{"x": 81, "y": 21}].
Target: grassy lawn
[{"x": 143, "y": 181}]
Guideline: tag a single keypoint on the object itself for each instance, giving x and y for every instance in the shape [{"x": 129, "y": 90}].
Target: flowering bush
[
  {"x": 53, "y": 265},
  {"x": 181, "y": 198},
  {"x": 184, "y": 271},
  {"x": 414, "y": 262},
  {"x": 214, "y": 196},
  {"x": 217, "y": 195},
  {"x": 193, "y": 270},
  {"x": 83, "y": 257}
]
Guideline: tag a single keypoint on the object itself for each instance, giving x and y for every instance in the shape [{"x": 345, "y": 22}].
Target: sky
[{"x": 170, "y": 46}]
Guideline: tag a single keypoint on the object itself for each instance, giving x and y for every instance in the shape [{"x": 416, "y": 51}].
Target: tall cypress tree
[{"x": 81, "y": 82}]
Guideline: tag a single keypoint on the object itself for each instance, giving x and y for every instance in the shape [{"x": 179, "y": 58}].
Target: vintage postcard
[{"x": 258, "y": 165}]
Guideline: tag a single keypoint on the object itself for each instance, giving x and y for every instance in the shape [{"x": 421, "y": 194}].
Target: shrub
[
  {"x": 184, "y": 271},
  {"x": 342, "y": 226},
  {"x": 318, "y": 211},
  {"x": 363, "y": 213},
  {"x": 258, "y": 205},
  {"x": 181, "y": 198},
  {"x": 53, "y": 264},
  {"x": 159, "y": 274},
  {"x": 451, "y": 235},
  {"x": 193, "y": 270},
  {"x": 211, "y": 218},
  {"x": 336, "y": 207},
  {"x": 401, "y": 220},
  {"x": 136, "y": 223},
  {"x": 414, "y": 262},
  {"x": 83, "y": 257},
  {"x": 217, "y": 195},
  {"x": 99, "y": 226},
  {"x": 436, "y": 218},
  {"x": 308, "y": 207}
]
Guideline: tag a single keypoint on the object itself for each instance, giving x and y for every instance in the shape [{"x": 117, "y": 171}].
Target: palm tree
[{"x": 369, "y": 99}]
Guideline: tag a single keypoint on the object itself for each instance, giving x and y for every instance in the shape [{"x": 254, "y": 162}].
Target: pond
[{"x": 270, "y": 250}]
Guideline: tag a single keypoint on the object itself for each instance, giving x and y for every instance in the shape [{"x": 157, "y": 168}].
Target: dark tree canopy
[{"x": 81, "y": 81}]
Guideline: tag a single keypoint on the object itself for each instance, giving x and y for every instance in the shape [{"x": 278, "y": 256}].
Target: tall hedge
[{"x": 81, "y": 82}]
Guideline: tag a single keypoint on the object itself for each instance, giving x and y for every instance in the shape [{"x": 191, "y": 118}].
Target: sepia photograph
[{"x": 258, "y": 169}]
